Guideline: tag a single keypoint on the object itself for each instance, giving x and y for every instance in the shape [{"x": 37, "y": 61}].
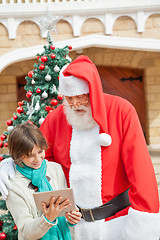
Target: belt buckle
[{"x": 90, "y": 211}]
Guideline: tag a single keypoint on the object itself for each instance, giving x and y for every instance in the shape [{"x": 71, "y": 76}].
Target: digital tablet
[{"x": 40, "y": 197}]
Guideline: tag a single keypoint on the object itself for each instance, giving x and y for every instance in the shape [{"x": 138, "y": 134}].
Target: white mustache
[{"x": 80, "y": 108}]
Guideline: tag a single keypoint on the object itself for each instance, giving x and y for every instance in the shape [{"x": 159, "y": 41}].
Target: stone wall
[
  {"x": 8, "y": 99},
  {"x": 152, "y": 89},
  {"x": 155, "y": 153}
]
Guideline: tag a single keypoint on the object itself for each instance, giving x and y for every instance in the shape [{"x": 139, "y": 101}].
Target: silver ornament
[
  {"x": 44, "y": 94},
  {"x": 10, "y": 128},
  {"x": 48, "y": 77},
  {"x": 68, "y": 58},
  {"x": 41, "y": 120},
  {"x": 56, "y": 69}
]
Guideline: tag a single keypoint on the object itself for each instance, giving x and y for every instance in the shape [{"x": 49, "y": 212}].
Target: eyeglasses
[{"x": 78, "y": 104}]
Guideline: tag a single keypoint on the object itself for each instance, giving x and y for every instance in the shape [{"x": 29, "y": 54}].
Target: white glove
[{"x": 7, "y": 172}]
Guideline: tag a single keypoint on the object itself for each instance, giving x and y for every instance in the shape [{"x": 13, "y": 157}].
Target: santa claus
[{"x": 98, "y": 140}]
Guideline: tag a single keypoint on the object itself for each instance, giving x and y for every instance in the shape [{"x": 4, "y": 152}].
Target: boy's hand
[
  {"x": 55, "y": 207},
  {"x": 73, "y": 217}
]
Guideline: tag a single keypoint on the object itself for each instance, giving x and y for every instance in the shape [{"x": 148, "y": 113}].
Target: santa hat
[
  {"x": 71, "y": 85},
  {"x": 80, "y": 77}
]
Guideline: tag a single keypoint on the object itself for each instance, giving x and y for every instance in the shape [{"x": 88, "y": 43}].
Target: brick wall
[
  {"x": 8, "y": 99},
  {"x": 152, "y": 89},
  {"x": 155, "y": 154}
]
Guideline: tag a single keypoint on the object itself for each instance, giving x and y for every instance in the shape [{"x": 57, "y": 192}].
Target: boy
[{"x": 27, "y": 147}]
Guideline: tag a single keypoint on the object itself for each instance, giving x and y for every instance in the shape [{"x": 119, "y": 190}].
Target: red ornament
[
  {"x": 3, "y": 137},
  {"x": 41, "y": 67},
  {"x": 15, "y": 227},
  {"x": 38, "y": 57},
  {"x": 1, "y": 144},
  {"x": 53, "y": 56},
  {"x": 20, "y": 110},
  {"x": 9, "y": 122},
  {"x": 5, "y": 144},
  {"x": 52, "y": 47},
  {"x": 58, "y": 78},
  {"x": 54, "y": 102},
  {"x": 70, "y": 47},
  {"x": 20, "y": 104},
  {"x": 38, "y": 90},
  {"x": 60, "y": 97},
  {"x": 15, "y": 117},
  {"x": 30, "y": 74},
  {"x": 29, "y": 94},
  {"x": 48, "y": 108},
  {"x": 44, "y": 58},
  {"x": 1, "y": 158},
  {"x": 3, "y": 236}
]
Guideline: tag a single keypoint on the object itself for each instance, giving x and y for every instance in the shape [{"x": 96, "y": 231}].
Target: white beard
[{"x": 79, "y": 120}]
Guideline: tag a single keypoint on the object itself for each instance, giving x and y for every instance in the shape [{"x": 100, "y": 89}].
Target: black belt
[{"x": 106, "y": 210}]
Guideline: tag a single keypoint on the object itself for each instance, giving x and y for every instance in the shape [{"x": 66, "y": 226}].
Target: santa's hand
[{"x": 7, "y": 172}]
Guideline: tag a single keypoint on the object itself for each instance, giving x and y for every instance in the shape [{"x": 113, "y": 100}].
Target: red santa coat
[{"x": 124, "y": 164}]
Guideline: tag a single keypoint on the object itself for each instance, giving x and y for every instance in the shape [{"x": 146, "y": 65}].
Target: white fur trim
[
  {"x": 85, "y": 178},
  {"x": 113, "y": 228},
  {"x": 141, "y": 226},
  {"x": 85, "y": 169},
  {"x": 104, "y": 139},
  {"x": 109, "y": 230},
  {"x": 89, "y": 230},
  {"x": 71, "y": 85}
]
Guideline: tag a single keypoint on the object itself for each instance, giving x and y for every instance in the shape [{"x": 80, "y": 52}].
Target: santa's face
[
  {"x": 78, "y": 112},
  {"x": 78, "y": 103}
]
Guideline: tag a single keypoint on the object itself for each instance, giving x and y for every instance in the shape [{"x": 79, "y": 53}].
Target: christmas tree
[
  {"x": 42, "y": 93},
  {"x": 8, "y": 229},
  {"x": 41, "y": 89}
]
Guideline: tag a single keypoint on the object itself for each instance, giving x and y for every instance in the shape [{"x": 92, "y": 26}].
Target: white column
[
  {"x": 140, "y": 21},
  {"x": 12, "y": 27},
  {"x": 108, "y": 23}
]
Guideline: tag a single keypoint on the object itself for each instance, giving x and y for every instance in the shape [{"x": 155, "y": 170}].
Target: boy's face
[{"x": 34, "y": 160}]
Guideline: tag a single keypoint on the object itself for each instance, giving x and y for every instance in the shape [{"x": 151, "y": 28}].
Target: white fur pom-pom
[{"x": 104, "y": 139}]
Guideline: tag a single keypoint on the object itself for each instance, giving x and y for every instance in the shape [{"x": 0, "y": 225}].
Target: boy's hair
[{"x": 22, "y": 140}]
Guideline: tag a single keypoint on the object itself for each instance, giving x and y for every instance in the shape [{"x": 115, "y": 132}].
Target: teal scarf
[{"x": 38, "y": 177}]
